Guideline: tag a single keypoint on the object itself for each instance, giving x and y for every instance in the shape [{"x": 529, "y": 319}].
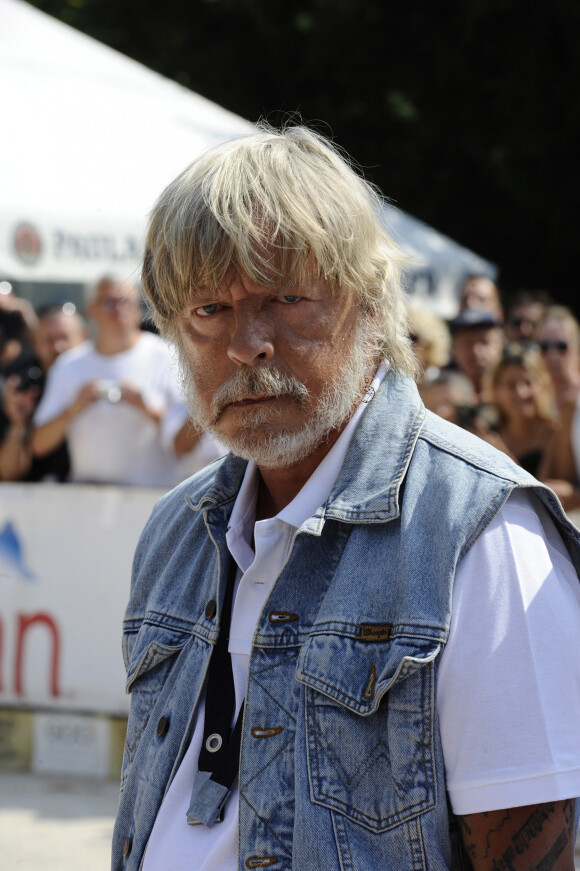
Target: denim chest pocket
[
  {"x": 149, "y": 656},
  {"x": 369, "y": 726}
]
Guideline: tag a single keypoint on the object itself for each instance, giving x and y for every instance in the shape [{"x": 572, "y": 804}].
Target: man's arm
[
  {"x": 132, "y": 395},
  {"x": 49, "y": 435},
  {"x": 531, "y": 838},
  {"x": 186, "y": 439}
]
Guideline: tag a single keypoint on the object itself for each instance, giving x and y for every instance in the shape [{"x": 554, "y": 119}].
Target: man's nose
[{"x": 251, "y": 339}]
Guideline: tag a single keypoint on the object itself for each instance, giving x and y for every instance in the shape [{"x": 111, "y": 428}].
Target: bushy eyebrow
[{"x": 204, "y": 295}]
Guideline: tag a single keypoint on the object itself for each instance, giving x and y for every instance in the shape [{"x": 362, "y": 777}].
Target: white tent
[
  {"x": 439, "y": 265},
  {"x": 90, "y": 140}
]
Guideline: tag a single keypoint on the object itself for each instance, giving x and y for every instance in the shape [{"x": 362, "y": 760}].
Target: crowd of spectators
[
  {"x": 109, "y": 409},
  {"x": 511, "y": 377},
  {"x": 103, "y": 410}
]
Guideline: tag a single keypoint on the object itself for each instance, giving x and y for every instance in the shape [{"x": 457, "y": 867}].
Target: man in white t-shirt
[
  {"x": 110, "y": 399},
  {"x": 354, "y": 642}
]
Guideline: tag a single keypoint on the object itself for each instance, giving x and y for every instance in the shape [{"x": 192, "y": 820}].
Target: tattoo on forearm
[
  {"x": 504, "y": 821},
  {"x": 532, "y": 827},
  {"x": 552, "y": 855},
  {"x": 500, "y": 849}
]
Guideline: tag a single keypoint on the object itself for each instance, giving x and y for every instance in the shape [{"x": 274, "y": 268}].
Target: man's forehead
[
  {"x": 255, "y": 287},
  {"x": 54, "y": 321},
  {"x": 61, "y": 322},
  {"x": 115, "y": 290},
  {"x": 528, "y": 308},
  {"x": 484, "y": 285}
]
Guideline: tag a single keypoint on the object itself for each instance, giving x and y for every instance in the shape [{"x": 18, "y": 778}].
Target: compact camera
[{"x": 110, "y": 391}]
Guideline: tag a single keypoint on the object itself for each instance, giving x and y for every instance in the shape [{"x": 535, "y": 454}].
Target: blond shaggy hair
[
  {"x": 432, "y": 332},
  {"x": 278, "y": 206}
]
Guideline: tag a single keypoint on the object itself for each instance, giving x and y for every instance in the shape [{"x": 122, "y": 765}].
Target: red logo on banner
[{"x": 27, "y": 243}]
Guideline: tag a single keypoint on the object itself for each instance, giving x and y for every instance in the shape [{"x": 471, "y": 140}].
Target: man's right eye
[{"x": 205, "y": 311}]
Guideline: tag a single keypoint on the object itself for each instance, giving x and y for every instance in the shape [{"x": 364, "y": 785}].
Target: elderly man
[{"x": 352, "y": 643}]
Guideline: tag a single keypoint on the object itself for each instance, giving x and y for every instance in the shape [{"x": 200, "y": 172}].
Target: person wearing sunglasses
[
  {"x": 558, "y": 338},
  {"x": 526, "y": 311}
]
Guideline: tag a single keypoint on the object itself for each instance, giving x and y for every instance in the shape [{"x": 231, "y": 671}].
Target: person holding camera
[
  {"x": 109, "y": 398},
  {"x": 31, "y": 343}
]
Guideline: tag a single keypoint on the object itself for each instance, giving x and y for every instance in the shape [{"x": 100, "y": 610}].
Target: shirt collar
[{"x": 317, "y": 488}]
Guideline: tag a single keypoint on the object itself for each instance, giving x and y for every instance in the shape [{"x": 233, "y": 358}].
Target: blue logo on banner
[{"x": 11, "y": 552}]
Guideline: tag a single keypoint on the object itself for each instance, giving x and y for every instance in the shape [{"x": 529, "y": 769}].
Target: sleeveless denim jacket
[{"x": 341, "y": 761}]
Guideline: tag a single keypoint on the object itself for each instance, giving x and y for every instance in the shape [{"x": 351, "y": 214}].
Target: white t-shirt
[
  {"x": 508, "y": 691},
  {"x": 113, "y": 442},
  {"x": 508, "y": 702}
]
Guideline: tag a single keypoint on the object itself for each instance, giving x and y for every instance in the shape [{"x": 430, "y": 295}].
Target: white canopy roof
[
  {"x": 90, "y": 140},
  {"x": 440, "y": 265}
]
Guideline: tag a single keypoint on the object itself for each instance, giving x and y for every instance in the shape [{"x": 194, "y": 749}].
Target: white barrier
[{"x": 65, "y": 562}]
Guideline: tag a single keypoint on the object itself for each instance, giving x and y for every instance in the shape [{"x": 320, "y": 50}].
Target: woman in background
[
  {"x": 431, "y": 341},
  {"x": 522, "y": 392}
]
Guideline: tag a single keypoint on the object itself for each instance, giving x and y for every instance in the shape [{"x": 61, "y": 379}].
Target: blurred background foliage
[{"x": 464, "y": 113}]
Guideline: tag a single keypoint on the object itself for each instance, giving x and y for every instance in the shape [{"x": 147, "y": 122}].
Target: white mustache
[{"x": 262, "y": 381}]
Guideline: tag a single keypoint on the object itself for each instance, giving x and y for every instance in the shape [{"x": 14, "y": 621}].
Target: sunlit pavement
[
  {"x": 61, "y": 823},
  {"x": 56, "y": 823}
]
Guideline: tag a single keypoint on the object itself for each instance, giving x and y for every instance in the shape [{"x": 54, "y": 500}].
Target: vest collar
[{"x": 367, "y": 488}]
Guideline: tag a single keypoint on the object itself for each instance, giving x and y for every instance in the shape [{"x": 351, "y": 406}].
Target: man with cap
[
  {"x": 480, "y": 292},
  {"x": 476, "y": 348}
]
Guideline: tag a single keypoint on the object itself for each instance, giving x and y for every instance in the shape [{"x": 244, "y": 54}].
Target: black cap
[{"x": 475, "y": 317}]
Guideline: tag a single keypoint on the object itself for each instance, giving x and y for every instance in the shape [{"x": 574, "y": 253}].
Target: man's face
[
  {"x": 559, "y": 347},
  {"x": 55, "y": 334},
  {"x": 439, "y": 399},
  {"x": 480, "y": 293},
  {"x": 523, "y": 321},
  {"x": 445, "y": 398},
  {"x": 273, "y": 371},
  {"x": 477, "y": 350},
  {"x": 115, "y": 308}
]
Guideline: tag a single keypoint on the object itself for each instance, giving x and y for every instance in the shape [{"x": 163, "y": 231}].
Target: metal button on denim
[
  {"x": 127, "y": 844},
  {"x": 368, "y": 554},
  {"x": 162, "y": 726},
  {"x": 210, "y": 609}
]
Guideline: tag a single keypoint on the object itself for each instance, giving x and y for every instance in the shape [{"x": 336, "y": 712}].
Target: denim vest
[{"x": 341, "y": 761}]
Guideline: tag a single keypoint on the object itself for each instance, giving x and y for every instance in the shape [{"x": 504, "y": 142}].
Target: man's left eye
[
  {"x": 290, "y": 298},
  {"x": 205, "y": 311}
]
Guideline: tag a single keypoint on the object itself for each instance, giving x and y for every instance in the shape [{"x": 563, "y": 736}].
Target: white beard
[{"x": 339, "y": 399}]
